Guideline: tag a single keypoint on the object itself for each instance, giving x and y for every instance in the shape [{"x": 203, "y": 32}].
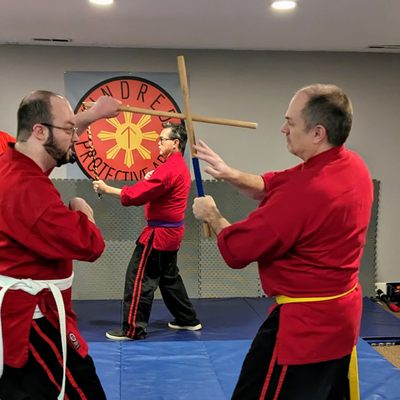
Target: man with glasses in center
[{"x": 164, "y": 192}]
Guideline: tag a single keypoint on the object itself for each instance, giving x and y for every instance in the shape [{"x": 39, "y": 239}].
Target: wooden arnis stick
[
  {"x": 198, "y": 118},
  {"x": 190, "y": 132},
  {"x": 90, "y": 139}
]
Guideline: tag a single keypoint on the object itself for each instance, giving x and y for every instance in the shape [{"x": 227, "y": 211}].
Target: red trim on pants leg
[
  {"x": 137, "y": 291},
  {"x": 269, "y": 374},
  {"x": 280, "y": 382},
  {"x": 57, "y": 353},
  {"x": 41, "y": 362},
  {"x": 141, "y": 286}
]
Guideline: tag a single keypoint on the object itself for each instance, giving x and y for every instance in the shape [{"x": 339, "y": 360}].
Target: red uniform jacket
[
  {"x": 39, "y": 238},
  {"x": 307, "y": 236},
  {"x": 165, "y": 197}
]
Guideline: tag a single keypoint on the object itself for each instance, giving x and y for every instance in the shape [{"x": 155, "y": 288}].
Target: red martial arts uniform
[
  {"x": 154, "y": 262},
  {"x": 39, "y": 238},
  {"x": 165, "y": 197},
  {"x": 307, "y": 236}
]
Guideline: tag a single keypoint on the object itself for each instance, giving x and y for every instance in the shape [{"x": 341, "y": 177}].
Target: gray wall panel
[
  {"x": 103, "y": 279},
  {"x": 368, "y": 275}
]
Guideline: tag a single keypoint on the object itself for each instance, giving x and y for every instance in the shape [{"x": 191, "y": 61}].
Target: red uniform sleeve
[
  {"x": 145, "y": 191},
  {"x": 267, "y": 233},
  {"x": 252, "y": 239},
  {"x": 60, "y": 233},
  {"x": 39, "y": 220},
  {"x": 267, "y": 177}
]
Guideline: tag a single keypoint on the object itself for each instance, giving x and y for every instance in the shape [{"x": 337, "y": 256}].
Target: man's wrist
[
  {"x": 216, "y": 221},
  {"x": 233, "y": 176}
]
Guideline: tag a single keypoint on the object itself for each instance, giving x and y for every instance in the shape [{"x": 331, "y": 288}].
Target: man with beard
[{"x": 42, "y": 350}]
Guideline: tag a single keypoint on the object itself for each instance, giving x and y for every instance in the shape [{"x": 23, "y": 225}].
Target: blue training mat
[
  {"x": 199, "y": 370},
  {"x": 180, "y": 365},
  {"x": 377, "y": 324}
]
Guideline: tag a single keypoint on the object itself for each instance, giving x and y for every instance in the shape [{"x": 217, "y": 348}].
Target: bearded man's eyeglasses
[{"x": 71, "y": 131}]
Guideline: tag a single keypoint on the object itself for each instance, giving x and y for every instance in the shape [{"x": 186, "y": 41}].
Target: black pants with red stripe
[
  {"x": 147, "y": 270},
  {"x": 319, "y": 381},
  {"x": 41, "y": 377}
]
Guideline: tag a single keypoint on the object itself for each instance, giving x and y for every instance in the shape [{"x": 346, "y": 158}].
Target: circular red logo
[{"x": 124, "y": 147}]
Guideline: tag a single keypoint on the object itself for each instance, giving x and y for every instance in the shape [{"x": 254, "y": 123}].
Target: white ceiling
[{"x": 328, "y": 25}]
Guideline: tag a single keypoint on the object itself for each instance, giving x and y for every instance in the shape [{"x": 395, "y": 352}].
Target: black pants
[
  {"x": 319, "y": 381},
  {"x": 147, "y": 270},
  {"x": 41, "y": 377}
]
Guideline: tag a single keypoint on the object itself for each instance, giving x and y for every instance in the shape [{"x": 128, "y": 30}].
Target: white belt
[{"x": 33, "y": 287}]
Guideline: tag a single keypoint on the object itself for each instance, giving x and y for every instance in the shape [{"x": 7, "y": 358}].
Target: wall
[{"x": 254, "y": 86}]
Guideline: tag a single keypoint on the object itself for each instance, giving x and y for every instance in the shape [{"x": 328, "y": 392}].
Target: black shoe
[
  {"x": 117, "y": 335},
  {"x": 187, "y": 327}
]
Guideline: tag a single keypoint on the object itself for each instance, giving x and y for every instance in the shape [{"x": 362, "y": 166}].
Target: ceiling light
[
  {"x": 283, "y": 5},
  {"x": 102, "y": 2}
]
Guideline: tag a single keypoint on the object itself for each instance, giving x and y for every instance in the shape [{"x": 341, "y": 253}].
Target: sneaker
[
  {"x": 174, "y": 325},
  {"x": 117, "y": 335}
]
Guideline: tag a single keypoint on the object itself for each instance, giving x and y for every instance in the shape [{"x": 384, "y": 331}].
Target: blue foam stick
[{"x": 197, "y": 176}]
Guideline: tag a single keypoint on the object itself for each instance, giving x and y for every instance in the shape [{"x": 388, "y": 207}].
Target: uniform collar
[
  {"x": 325, "y": 157},
  {"x": 12, "y": 155}
]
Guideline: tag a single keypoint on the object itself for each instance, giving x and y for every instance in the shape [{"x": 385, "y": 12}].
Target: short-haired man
[
  {"x": 164, "y": 192},
  {"x": 307, "y": 236},
  {"x": 44, "y": 355}
]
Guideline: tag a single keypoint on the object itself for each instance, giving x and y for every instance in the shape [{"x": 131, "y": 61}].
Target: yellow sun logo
[{"x": 129, "y": 137}]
